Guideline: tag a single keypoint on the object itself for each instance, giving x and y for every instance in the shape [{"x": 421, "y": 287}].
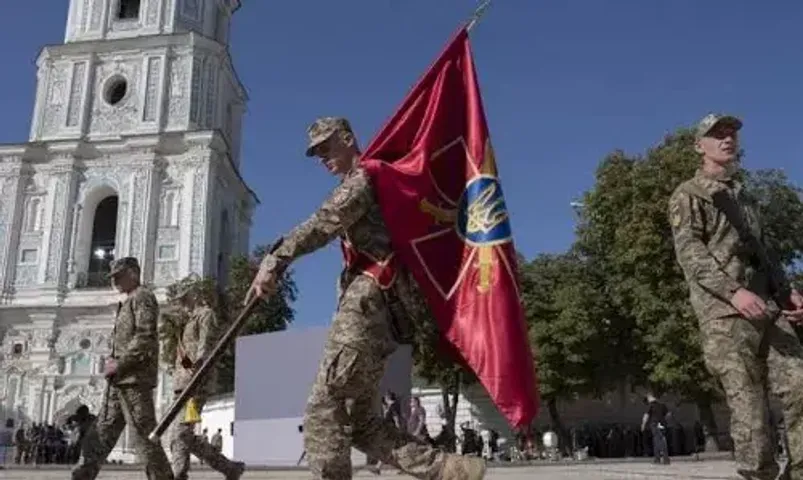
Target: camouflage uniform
[
  {"x": 197, "y": 338},
  {"x": 748, "y": 356},
  {"x": 129, "y": 398},
  {"x": 376, "y": 299}
]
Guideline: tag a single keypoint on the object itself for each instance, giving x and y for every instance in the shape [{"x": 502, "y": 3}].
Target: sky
[{"x": 564, "y": 82}]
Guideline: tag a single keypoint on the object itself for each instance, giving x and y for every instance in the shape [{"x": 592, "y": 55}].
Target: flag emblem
[{"x": 477, "y": 217}]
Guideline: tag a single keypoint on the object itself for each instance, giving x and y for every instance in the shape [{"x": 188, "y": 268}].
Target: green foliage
[
  {"x": 781, "y": 213},
  {"x": 569, "y": 323},
  {"x": 271, "y": 315},
  {"x": 173, "y": 317}
]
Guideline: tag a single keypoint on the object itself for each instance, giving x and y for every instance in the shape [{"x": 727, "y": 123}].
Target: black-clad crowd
[
  {"x": 614, "y": 441},
  {"x": 41, "y": 444}
]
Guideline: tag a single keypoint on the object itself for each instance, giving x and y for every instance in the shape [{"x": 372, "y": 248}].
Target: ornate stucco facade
[{"x": 134, "y": 151}]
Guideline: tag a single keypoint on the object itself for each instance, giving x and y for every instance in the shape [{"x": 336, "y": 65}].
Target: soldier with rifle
[{"x": 742, "y": 299}]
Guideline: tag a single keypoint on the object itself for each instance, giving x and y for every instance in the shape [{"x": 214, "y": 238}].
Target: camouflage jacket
[
  {"x": 135, "y": 339},
  {"x": 196, "y": 340},
  {"x": 352, "y": 213},
  {"x": 714, "y": 257}
]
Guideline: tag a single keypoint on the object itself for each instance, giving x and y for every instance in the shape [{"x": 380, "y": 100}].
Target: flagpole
[{"x": 475, "y": 17}]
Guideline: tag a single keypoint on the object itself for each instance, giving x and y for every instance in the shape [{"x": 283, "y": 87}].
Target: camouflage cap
[
  {"x": 323, "y": 128},
  {"x": 712, "y": 119},
  {"x": 121, "y": 264}
]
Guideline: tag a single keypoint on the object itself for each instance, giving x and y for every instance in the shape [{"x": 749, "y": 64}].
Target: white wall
[
  {"x": 219, "y": 413},
  {"x": 273, "y": 376}
]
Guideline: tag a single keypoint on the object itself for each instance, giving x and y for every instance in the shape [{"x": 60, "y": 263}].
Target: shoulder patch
[{"x": 674, "y": 215}]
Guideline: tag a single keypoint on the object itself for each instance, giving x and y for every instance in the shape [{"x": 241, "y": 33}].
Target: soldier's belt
[{"x": 383, "y": 272}]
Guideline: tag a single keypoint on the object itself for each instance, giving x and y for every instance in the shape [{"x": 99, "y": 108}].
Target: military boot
[
  {"x": 458, "y": 467},
  {"x": 237, "y": 469}
]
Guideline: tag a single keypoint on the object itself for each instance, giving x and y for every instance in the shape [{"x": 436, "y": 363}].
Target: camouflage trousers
[
  {"x": 752, "y": 359},
  {"x": 351, "y": 370},
  {"x": 186, "y": 442},
  {"x": 125, "y": 405}
]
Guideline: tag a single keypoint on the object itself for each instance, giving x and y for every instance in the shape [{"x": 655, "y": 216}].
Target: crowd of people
[{"x": 44, "y": 443}]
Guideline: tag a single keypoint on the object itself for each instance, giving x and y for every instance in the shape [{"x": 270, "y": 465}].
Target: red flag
[{"x": 436, "y": 181}]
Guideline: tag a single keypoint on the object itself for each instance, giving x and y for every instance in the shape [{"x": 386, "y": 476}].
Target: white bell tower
[{"x": 134, "y": 150}]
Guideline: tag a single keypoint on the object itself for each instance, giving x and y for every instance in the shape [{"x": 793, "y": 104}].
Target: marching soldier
[
  {"x": 132, "y": 375},
  {"x": 738, "y": 293},
  {"x": 378, "y": 301},
  {"x": 196, "y": 339}
]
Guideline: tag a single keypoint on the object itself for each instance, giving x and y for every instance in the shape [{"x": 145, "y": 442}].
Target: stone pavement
[{"x": 704, "y": 470}]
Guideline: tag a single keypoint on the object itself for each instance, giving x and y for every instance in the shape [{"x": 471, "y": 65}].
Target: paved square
[{"x": 705, "y": 470}]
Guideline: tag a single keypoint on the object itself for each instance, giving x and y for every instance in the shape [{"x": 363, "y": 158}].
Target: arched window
[{"x": 104, "y": 236}]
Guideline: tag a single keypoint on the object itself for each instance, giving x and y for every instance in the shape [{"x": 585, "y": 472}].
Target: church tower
[{"x": 134, "y": 150}]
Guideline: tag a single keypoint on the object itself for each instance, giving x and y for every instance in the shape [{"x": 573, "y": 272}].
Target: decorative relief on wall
[
  {"x": 195, "y": 91},
  {"x": 169, "y": 207},
  {"x": 152, "y": 15},
  {"x": 85, "y": 11},
  {"x": 152, "y": 88},
  {"x": 198, "y": 212},
  {"x": 72, "y": 339},
  {"x": 74, "y": 106},
  {"x": 58, "y": 225},
  {"x": 166, "y": 273},
  {"x": 116, "y": 96},
  {"x": 139, "y": 208},
  {"x": 178, "y": 103},
  {"x": 211, "y": 93},
  {"x": 192, "y": 10},
  {"x": 54, "y": 111},
  {"x": 97, "y": 10}
]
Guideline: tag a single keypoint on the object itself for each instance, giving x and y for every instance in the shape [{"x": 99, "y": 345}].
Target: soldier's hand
[
  {"x": 749, "y": 304},
  {"x": 264, "y": 284},
  {"x": 186, "y": 362},
  {"x": 796, "y": 313}
]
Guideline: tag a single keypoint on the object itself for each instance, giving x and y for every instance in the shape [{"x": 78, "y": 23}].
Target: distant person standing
[
  {"x": 417, "y": 421},
  {"x": 655, "y": 419},
  {"x": 743, "y": 301},
  {"x": 217, "y": 440}
]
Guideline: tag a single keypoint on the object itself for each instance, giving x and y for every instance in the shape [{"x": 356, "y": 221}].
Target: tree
[
  {"x": 273, "y": 314},
  {"x": 569, "y": 327},
  {"x": 624, "y": 231}
]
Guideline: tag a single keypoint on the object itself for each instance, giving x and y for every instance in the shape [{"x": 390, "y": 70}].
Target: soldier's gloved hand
[
  {"x": 749, "y": 304},
  {"x": 796, "y": 313}
]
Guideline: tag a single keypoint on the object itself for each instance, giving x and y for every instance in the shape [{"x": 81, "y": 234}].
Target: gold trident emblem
[{"x": 484, "y": 213}]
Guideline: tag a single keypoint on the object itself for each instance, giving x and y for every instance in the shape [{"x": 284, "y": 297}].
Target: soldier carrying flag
[
  {"x": 375, "y": 295},
  {"x": 425, "y": 232}
]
